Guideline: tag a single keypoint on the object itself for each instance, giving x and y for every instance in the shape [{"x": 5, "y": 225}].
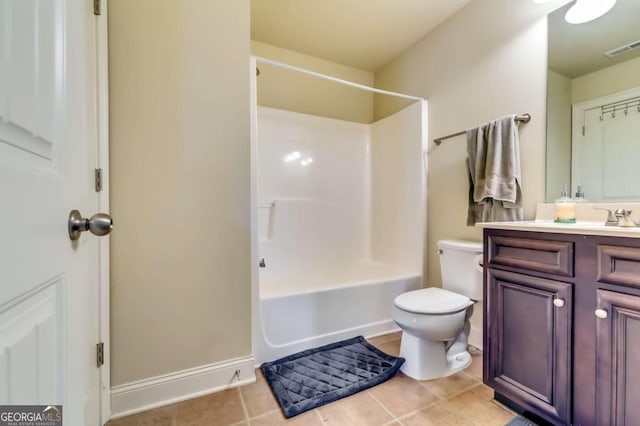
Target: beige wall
[
  {"x": 179, "y": 93},
  {"x": 292, "y": 91},
  {"x": 607, "y": 81},
  {"x": 558, "y": 134},
  {"x": 488, "y": 60}
]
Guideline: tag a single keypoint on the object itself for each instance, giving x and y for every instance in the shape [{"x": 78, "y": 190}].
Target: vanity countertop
[
  {"x": 581, "y": 228},
  {"x": 590, "y": 221}
]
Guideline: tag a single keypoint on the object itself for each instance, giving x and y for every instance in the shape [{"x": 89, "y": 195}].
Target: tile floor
[{"x": 460, "y": 399}]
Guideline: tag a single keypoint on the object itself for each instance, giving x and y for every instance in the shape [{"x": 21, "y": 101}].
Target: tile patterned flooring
[{"x": 460, "y": 399}]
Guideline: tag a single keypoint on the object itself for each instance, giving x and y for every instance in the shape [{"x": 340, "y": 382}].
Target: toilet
[{"x": 435, "y": 321}]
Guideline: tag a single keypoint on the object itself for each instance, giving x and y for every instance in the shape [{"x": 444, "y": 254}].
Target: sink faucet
[
  {"x": 618, "y": 217},
  {"x": 612, "y": 219},
  {"x": 624, "y": 218}
]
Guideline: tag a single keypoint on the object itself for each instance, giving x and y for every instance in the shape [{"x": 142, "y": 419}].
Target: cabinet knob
[
  {"x": 601, "y": 313},
  {"x": 558, "y": 302}
]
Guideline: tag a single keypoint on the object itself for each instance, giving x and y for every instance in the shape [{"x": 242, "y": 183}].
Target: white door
[
  {"x": 605, "y": 146},
  {"x": 609, "y": 170},
  {"x": 48, "y": 152}
]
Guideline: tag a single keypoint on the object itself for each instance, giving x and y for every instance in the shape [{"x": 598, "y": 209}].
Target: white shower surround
[{"x": 342, "y": 234}]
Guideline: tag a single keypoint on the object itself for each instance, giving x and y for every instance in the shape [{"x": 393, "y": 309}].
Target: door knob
[
  {"x": 601, "y": 313},
  {"x": 558, "y": 302},
  {"x": 100, "y": 224}
]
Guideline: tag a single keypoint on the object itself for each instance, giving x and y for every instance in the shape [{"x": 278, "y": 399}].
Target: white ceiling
[
  {"x": 365, "y": 34},
  {"x": 575, "y": 50}
]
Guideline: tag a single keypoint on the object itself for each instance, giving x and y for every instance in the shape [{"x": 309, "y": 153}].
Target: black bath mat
[{"x": 315, "y": 377}]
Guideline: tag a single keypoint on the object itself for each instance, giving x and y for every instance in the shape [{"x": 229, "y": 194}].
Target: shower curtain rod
[
  {"x": 524, "y": 118},
  {"x": 334, "y": 79}
]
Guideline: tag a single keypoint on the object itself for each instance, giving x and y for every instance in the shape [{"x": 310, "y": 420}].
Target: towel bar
[{"x": 524, "y": 118}]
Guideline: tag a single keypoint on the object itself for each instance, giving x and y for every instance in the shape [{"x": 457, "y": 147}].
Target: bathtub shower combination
[{"x": 341, "y": 213}]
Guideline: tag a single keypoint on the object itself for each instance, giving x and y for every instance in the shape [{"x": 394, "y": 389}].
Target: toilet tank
[{"x": 460, "y": 267}]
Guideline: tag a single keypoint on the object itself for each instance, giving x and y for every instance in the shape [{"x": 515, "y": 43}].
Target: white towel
[{"x": 495, "y": 192}]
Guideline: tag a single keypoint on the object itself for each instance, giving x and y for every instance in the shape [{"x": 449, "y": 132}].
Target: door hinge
[
  {"x": 98, "y": 179},
  {"x": 583, "y": 130},
  {"x": 100, "y": 354},
  {"x": 97, "y": 7}
]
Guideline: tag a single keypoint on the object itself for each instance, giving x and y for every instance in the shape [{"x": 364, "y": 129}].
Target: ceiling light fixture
[{"x": 588, "y": 10}]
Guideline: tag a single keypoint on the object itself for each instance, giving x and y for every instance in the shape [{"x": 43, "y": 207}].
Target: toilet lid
[{"x": 432, "y": 300}]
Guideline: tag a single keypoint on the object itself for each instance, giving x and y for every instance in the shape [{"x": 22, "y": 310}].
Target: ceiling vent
[{"x": 623, "y": 49}]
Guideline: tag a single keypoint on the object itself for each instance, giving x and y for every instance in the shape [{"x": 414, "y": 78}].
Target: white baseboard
[
  {"x": 475, "y": 337},
  {"x": 158, "y": 391}
]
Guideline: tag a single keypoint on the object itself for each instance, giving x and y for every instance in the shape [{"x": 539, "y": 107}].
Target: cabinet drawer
[
  {"x": 553, "y": 257},
  {"x": 619, "y": 265}
]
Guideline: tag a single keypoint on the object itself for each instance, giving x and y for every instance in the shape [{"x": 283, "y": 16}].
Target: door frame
[{"x": 102, "y": 162}]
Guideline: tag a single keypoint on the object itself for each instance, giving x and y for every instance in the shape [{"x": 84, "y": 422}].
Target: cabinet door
[
  {"x": 617, "y": 359},
  {"x": 527, "y": 356}
]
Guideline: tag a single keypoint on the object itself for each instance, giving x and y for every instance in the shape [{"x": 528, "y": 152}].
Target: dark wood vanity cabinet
[
  {"x": 562, "y": 326},
  {"x": 530, "y": 359},
  {"x": 618, "y": 359},
  {"x": 528, "y": 323}
]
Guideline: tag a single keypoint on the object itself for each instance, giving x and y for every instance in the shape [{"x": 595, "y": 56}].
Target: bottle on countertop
[
  {"x": 580, "y": 195},
  {"x": 565, "y": 207}
]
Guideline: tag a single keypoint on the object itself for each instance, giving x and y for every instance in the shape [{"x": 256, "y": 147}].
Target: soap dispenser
[
  {"x": 580, "y": 195},
  {"x": 565, "y": 207}
]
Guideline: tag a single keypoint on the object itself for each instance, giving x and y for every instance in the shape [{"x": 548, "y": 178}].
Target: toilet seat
[{"x": 432, "y": 300}]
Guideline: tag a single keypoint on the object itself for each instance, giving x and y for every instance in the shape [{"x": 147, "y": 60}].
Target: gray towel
[{"x": 493, "y": 162}]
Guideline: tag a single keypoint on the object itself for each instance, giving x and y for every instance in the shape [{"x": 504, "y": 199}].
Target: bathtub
[
  {"x": 307, "y": 312},
  {"x": 332, "y": 196}
]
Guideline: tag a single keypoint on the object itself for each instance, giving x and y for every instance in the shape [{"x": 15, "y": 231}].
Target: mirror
[{"x": 593, "y": 105}]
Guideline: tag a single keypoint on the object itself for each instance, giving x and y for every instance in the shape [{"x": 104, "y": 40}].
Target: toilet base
[
  {"x": 458, "y": 362},
  {"x": 426, "y": 360}
]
